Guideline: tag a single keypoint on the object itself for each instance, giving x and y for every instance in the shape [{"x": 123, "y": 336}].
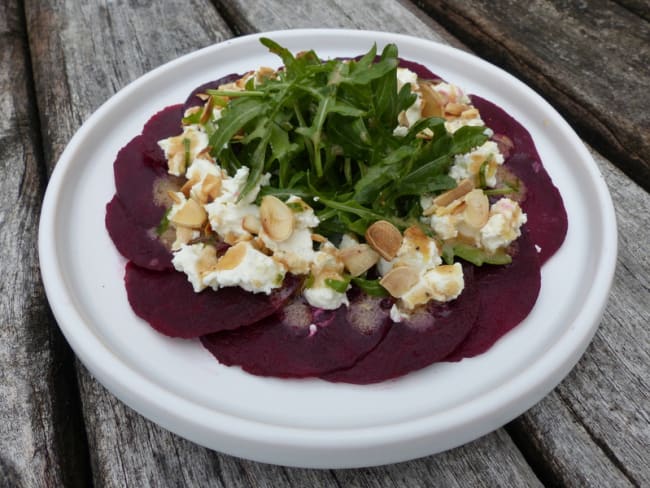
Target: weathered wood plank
[
  {"x": 590, "y": 59},
  {"x": 595, "y": 428},
  {"x": 390, "y": 16},
  {"x": 40, "y": 440}
]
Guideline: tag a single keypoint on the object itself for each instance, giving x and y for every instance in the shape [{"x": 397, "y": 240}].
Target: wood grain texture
[
  {"x": 39, "y": 434},
  {"x": 383, "y": 15},
  {"x": 591, "y": 60},
  {"x": 594, "y": 429}
]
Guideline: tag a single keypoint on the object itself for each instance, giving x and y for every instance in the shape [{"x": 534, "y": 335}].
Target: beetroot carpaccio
[{"x": 418, "y": 245}]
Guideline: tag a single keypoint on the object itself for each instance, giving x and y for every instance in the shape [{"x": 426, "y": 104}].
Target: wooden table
[{"x": 59, "y": 60}]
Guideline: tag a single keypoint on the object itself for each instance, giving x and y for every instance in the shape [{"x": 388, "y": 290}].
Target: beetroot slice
[
  {"x": 164, "y": 124},
  {"x": 285, "y": 345},
  {"x": 429, "y": 336},
  {"x": 194, "y": 101},
  {"x": 507, "y": 295},
  {"x": 135, "y": 242},
  {"x": 547, "y": 219},
  {"x": 136, "y": 180},
  {"x": 419, "y": 69},
  {"x": 167, "y": 301}
]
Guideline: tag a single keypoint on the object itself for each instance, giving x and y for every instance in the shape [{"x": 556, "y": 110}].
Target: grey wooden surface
[{"x": 60, "y": 60}]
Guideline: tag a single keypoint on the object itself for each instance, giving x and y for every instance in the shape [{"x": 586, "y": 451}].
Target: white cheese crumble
[
  {"x": 256, "y": 272},
  {"x": 195, "y": 260},
  {"x": 468, "y": 165},
  {"x": 503, "y": 226},
  {"x": 175, "y": 148}
]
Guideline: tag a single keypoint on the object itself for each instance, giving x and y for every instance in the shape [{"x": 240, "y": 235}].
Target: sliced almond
[
  {"x": 191, "y": 214},
  {"x": 318, "y": 238},
  {"x": 433, "y": 102},
  {"x": 455, "y": 108},
  {"x": 211, "y": 187},
  {"x": 174, "y": 197},
  {"x": 400, "y": 279},
  {"x": 470, "y": 113},
  {"x": 203, "y": 96},
  {"x": 233, "y": 257},
  {"x": 185, "y": 189},
  {"x": 277, "y": 218},
  {"x": 384, "y": 238},
  {"x": 358, "y": 258},
  {"x": 250, "y": 223},
  {"x": 464, "y": 187},
  {"x": 207, "y": 111},
  {"x": 477, "y": 210},
  {"x": 207, "y": 260}
]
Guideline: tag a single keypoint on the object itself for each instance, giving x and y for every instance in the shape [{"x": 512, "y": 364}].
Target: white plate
[{"x": 312, "y": 423}]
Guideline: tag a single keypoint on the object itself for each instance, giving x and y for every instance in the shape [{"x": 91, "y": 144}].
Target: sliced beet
[
  {"x": 419, "y": 69},
  {"x": 507, "y": 294},
  {"x": 140, "y": 185},
  {"x": 429, "y": 336},
  {"x": 547, "y": 219},
  {"x": 194, "y": 101},
  {"x": 134, "y": 241},
  {"x": 164, "y": 124},
  {"x": 167, "y": 301},
  {"x": 287, "y": 345}
]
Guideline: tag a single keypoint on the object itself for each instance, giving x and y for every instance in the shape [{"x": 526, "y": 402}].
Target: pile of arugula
[{"x": 324, "y": 130}]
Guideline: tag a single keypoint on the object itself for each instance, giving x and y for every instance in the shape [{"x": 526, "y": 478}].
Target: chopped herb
[
  {"x": 337, "y": 285},
  {"x": 473, "y": 255},
  {"x": 186, "y": 145},
  {"x": 164, "y": 223},
  {"x": 482, "y": 174},
  {"x": 296, "y": 207},
  {"x": 370, "y": 287}
]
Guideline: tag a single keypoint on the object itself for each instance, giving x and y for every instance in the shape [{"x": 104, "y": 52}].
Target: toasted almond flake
[
  {"x": 455, "y": 108},
  {"x": 277, "y": 218},
  {"x": 358, "y": 258},
  {"x": 233, "y": 257},
  {"x": 384, "y": 238},
  {"x": 477, "y": 209},
  {"x": 174, "y": 197},
  {"x": 470, "y": 113},
  {"x": 250, "y": 223},
  {"x": 459, "y": 208},
  {"x": 433, "y": 103},
  {"x": 318, "y": 238},
  {"x": 205, "y": 154},
  {"x": 203, "y": 96},
  {"x": 400, "y": 279},
  {"x": 191, "y": 214},
  {"x": 464, "y": 187},
  {"x": 207, "y": 110},
  {"x": 183, "y": 236},
  {"x": 185, "y": 189},
  {"x": 211, "y": 187},
  {"x": 207, "y": 260}
]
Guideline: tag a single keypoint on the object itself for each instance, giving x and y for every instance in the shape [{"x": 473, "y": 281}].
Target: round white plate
[{"x": 312, "y": 423}]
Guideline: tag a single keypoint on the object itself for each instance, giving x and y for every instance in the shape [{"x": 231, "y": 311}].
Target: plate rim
[{"x": 243, "y": 437}]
